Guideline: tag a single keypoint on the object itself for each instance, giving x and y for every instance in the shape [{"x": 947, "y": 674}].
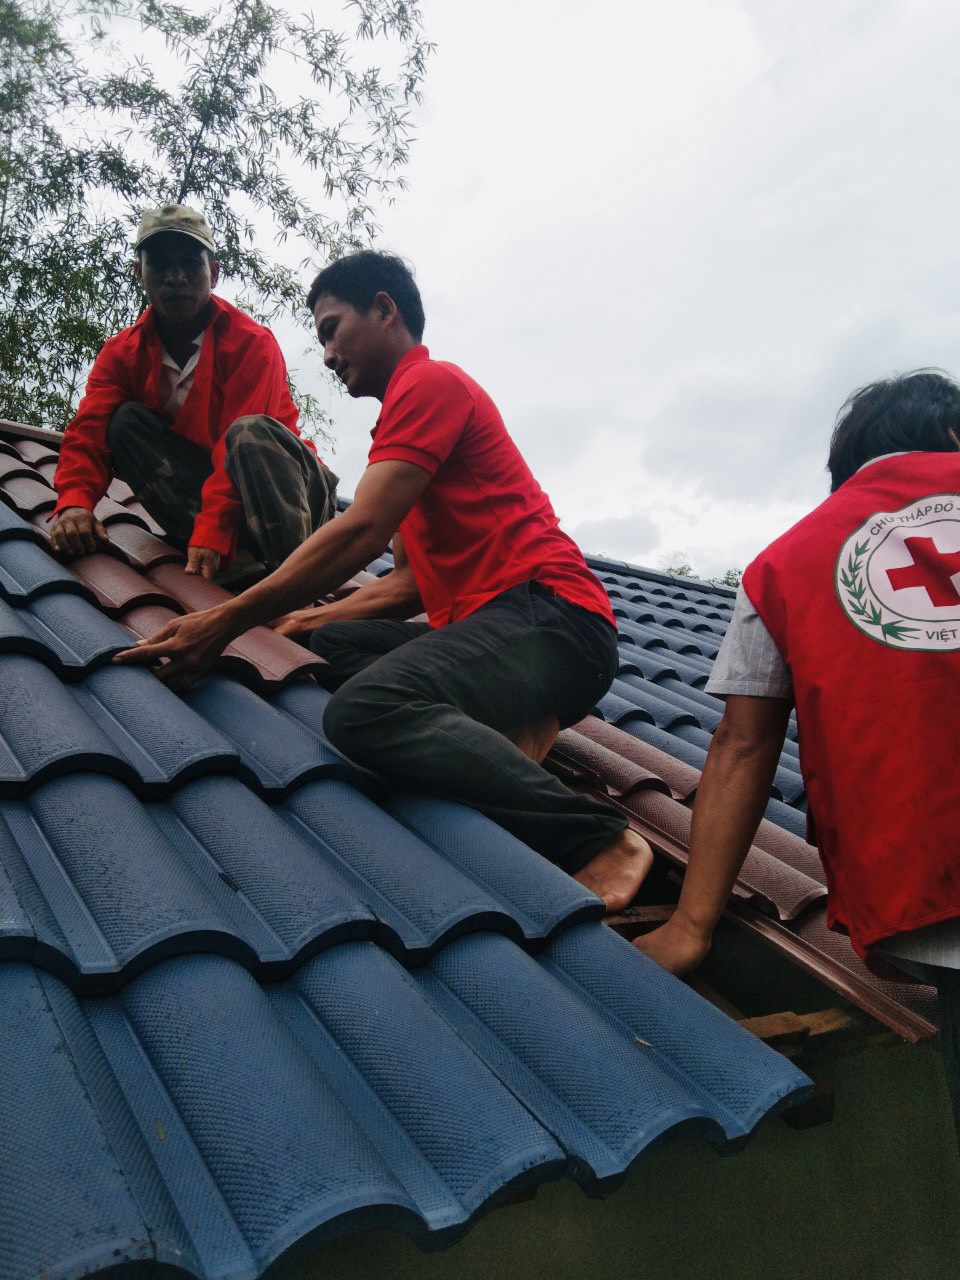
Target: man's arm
[
  {"x": 730, "y": 801},
  {"x": 84, "y": 467},
  {"x": 328, "y": 558},
  {"x": 395, "y": 595}
]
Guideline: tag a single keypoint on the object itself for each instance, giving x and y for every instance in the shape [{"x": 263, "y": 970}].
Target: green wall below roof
[{"x": 874, "y": 1194}]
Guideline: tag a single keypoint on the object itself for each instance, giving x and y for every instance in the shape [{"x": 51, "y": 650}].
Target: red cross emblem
[{"x": 931, "y": 569}]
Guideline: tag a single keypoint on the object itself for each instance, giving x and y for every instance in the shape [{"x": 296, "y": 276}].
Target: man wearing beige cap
[{"x": 190, "y": 406}]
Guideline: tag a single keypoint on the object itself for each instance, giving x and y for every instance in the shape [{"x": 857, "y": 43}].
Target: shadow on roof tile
[
  {"x": 109, "y": 512},
  {"x": 281, "y": 752},
  {"x": 116, "y": 586},
  {"x": 64, "y": 631},
  {"x": 26, "y": 572},
  {"x": 13, "y": 525},
  {"x": 119, "y": 721},
  {"x": 610, "y": 769},
  {"x": 139, "y": 511},
  {"x": 29, "y": 494},
  {"x": 12, "y": 467},
  {"x": 34, "y": 451},
  {"x": 120, "y": 491},
  {"x": 681, "y": 778},
  {"x": 140, "y": 548}
]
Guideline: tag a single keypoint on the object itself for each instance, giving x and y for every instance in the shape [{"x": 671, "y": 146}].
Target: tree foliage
[
  {"x": 729, "y": 579},
  {"x": 268, "y": 123},
  {"x": 678, "y": 563}
]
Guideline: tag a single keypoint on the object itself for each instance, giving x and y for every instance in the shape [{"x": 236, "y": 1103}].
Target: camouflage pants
[{"x": 285, "y": 490}]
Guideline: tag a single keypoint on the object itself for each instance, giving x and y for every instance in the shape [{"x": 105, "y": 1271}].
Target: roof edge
[
  {"x": 656, "y": 575},
  {"x": 20, "y": 430}
]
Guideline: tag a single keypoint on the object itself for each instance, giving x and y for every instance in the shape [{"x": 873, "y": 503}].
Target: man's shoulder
[
  {"x": 121, "y": 346},
  {"x": 439, "y": 380},
  {"x": 427, "y": 370},
  {"x": 236, "y": 332},
  {"x": 230, "y": 320}
]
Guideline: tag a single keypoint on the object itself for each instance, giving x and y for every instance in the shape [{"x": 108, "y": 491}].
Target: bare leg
[
  {"x": 618, "y": 870},
  {"x": 536, "y": 739}
]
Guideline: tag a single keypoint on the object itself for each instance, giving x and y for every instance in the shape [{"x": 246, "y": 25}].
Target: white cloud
[{"x": 671, "y": 239}]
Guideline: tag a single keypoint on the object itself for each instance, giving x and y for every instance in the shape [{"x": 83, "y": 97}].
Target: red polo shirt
[{"x": 483, "y": 524}]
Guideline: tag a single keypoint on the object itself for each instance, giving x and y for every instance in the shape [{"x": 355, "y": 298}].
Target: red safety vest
[{"x": 863, "y": 600}]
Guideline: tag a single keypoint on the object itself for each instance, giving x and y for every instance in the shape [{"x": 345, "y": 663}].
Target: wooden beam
[{"x": 631, "y": 922}]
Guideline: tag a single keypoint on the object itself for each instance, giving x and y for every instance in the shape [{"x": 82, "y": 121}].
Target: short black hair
[
  {"x": 912, "y": 411},
  {"x": 358, "y": 277}
]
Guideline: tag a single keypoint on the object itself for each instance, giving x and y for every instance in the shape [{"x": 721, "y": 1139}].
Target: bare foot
[
  {"x": 618, "y": 870},
  {"x": 535, "y": 740},
  {"x": 675, "y": 945}
]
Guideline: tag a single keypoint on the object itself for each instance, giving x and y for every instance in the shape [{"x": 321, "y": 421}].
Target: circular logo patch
[{"x": 898, "y": 575}]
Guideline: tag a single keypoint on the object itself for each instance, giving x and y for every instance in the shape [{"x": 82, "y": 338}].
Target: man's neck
[
  {"x": 403, "y": 347},
  {"x": 179, "y": 339}
]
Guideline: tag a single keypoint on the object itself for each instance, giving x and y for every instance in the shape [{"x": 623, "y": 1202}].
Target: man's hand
[
  {"x": 189, "y": 645},
  {"x": 301, "y": 620},
  {"x": 202, "y": 561},
  {"x": 676, "y": 946},
  {"x": 76, "y": 531}
]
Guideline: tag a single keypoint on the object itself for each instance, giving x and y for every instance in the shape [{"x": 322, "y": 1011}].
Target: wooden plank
[
  {"x": 631, "y": 922},
  {"x": 819, "y": 1036},
  {"x": 785, "y": 1032}
]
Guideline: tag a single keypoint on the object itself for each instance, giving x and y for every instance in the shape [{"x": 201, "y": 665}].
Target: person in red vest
[
  {"x": 190, "y": 406},
  {"x": 853, "y": 616},
  {"x": 520, "y": 638}
]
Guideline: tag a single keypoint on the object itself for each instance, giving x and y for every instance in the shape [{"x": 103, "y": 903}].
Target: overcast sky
[{"x": 670, "y": 239}]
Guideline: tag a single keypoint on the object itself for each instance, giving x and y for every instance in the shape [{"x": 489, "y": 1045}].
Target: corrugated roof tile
[
  {"x": 186, "y": 1091},
  {"x": 116, "y": 586},
  {"x": 34, "y": 451},
  {"x": 29, "y": 494},
  {"x": 27, "y": 572}
]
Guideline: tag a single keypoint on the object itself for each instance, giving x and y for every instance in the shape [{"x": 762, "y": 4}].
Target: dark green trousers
[{"x": 285, "y": 490}]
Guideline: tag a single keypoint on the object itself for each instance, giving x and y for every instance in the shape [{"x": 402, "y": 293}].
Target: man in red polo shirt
[
  {"x": 190, "y": 406},
  {"x": 520, "y": 632}
]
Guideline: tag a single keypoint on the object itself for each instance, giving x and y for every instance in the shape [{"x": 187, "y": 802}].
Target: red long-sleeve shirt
[{"x": 240, "y": 371}]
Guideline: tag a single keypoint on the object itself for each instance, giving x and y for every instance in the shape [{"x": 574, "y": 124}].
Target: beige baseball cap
[{"x": 174, "y": 217}]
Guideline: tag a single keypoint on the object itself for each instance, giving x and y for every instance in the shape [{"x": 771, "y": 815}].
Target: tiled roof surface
[{"x": 249, "y": 997}]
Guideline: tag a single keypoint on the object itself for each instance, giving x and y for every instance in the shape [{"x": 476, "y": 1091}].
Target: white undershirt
[{"x": 175, "y": 383}]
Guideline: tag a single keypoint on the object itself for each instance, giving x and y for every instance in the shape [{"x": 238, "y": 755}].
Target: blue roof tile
[
  {"x": 13, "y": 525},
  {"x": 26, "y": 572},
  {"x": 188, "y": 1090},
  {"x": 280, "y": 751}
]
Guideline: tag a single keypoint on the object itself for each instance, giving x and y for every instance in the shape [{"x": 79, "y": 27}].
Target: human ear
[
  {"x": 214, "y": 272},
  {"x": 138, "y": 269},
  {"x": 385, "y": 306}
]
